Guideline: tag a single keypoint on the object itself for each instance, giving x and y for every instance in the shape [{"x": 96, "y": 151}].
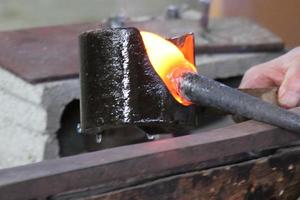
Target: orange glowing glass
[{"x": 170, "y": 61}]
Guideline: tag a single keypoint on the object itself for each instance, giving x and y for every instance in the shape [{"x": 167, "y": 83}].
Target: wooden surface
[
  {"x": 127, "y": 166},
  {"x": 276, "y": 177},
  {"x": 51, "y": 53},
  {"x": 278, "y": 16}
]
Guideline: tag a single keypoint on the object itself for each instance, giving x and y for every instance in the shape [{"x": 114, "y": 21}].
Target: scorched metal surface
[{"x": 119, "y": 86}]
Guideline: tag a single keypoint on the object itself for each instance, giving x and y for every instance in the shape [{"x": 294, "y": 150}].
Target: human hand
[{"x": 283, "y": 72}]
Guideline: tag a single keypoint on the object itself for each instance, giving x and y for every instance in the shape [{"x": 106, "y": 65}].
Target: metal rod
[
  {"x": 204, "y": 20},
  {"x": 208, "y": 92}
]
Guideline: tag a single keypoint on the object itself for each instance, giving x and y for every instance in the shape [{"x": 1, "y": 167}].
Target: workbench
[
  {"x": 250, "y": 160},
  {"x": 39, "y": 76}
]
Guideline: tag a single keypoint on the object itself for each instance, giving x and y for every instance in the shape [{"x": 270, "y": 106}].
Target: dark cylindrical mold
[
  {"x": 207, "y": 92},
  {"x": 119, "y": 86}
]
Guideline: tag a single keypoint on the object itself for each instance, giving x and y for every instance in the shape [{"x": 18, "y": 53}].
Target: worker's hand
[{"x": 283, "y": 72}]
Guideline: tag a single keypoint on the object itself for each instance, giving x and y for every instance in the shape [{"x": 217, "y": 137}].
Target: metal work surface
[
  {"x": 51, "y": 53},
  {"x": 223, "y": 35},
  {"x": 273, "y": 175},
  {"x": 42, "y": 54},
  {"x": 115, "y": 168}
]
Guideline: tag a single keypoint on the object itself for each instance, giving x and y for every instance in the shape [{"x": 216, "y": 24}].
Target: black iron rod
[{"x": 204, "y": 91}]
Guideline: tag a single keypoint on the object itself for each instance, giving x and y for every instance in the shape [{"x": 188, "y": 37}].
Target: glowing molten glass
[{"x": 169, "y": 62}]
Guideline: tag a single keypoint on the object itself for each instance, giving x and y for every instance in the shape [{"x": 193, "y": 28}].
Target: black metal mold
[{"x": 119, "y": 86}]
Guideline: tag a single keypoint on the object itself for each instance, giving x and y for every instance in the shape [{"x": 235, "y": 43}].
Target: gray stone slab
[
  {"x": 30, "y": 117},
  {"x": 230, "y": 65}
]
